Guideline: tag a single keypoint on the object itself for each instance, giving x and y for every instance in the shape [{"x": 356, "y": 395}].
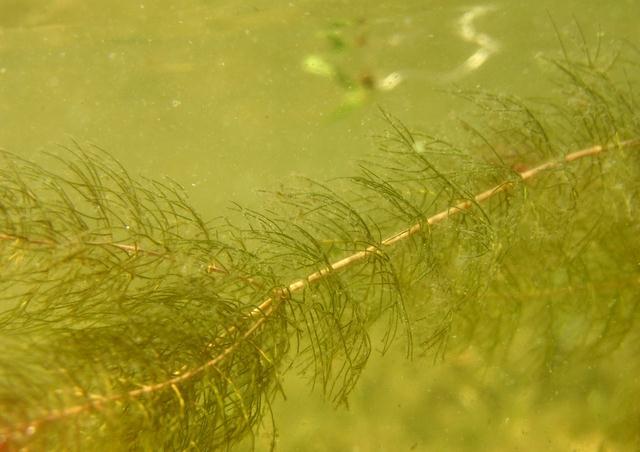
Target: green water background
[{"x": 214, "y": 95}]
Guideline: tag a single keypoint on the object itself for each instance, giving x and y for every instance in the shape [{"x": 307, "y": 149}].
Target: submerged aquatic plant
[{"x": 128, "y": 321}]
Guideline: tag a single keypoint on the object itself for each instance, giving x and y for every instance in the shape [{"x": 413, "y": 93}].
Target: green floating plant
[
  {"x": 127, "y": 321},
  {"x": 346, "y": 43}
]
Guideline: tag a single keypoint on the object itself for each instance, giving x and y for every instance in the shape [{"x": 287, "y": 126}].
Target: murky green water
[
  {"x": 230, "y": 97},
  {"x": 214, "y": 94}
]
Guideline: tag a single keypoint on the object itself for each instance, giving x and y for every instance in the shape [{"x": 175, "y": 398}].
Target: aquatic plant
[
  {"x": 345, "y": 61},
  {"x": 127, "y": 321}
]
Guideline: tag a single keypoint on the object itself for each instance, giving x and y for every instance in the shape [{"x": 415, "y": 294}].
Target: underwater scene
[{"x": 319, "y": 225}]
